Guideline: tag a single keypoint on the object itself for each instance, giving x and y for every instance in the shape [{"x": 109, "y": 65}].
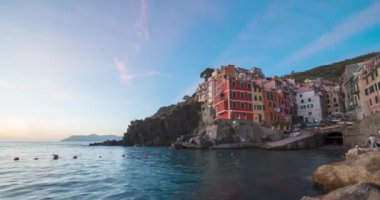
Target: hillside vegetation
[{"x": 331, "y": 71}]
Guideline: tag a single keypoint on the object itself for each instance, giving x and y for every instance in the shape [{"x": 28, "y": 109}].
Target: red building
[
  {"x": 234, "y": 93},
  {"x": 246, "y": 95},
  {"x": 278, "y": 106},
  {"x": 271, "y": 106}
]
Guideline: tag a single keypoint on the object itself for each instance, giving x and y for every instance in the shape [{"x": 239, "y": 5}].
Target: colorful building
[
  {"x": 258, "y": 102},
  {"x": 235, "y": 93},
  {"x": 333, "y": 99},
  {"x": 371, "y": 81},
  {"x": 271, "y": 106}
]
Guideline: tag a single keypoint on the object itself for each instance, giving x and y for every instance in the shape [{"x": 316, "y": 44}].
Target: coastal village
[{"x": 246, "y": 94}]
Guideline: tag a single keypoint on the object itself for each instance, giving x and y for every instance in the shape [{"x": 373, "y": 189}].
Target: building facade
[
  {"x": 309, "y": 105},
  {"x": 371, "y": 81}
]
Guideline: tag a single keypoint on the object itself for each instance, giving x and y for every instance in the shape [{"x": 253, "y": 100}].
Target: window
[
  {"x": 309, "y": 99},
  {"x": 366, "y": 80},
  {"x": 233, "y": 104},
  {"x": 310, "y": 113},
  {"x": 233, "y": 84},
  {"x": 242, "y": 105},
  {"x": 311, "y": 105},
  {"x": 300, "y": 95},
  {"x": 270, "y": 104},
  {"x": 334, "y": 99},
  {"x": 259, "y": 89},
  {"x": 302, "y": 101},
  {"x": 254, "y": 89},
  {"x": 241, "y": 85},
  {"x": 370, "y": 102},
  {"x": 255, "y": 98},
  {"x": 307, "y": 105},
  {"x": 233, "y": 94},
  {"x": 366, "y": 92},
  {"x": 260, "y": 99},
  {"x": 250, "y": 106},
  {"x": 241, "y": 94},
  {"x": 376, "y": 99},
  {"x": 249, "y": 95},
  {"x": 249, "y": 86}
]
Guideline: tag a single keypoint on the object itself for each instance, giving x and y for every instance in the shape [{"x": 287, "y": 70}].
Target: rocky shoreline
[{"x": 355, "y": 178}]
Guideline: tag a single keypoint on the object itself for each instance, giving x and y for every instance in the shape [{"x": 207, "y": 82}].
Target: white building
[{"x": 309, "y": 105}]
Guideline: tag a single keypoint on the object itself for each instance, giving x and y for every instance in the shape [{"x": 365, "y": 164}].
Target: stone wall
[{"x": 361, "y": 130}]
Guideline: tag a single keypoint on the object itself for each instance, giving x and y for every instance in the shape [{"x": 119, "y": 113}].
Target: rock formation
[
  {"x": 355, "y": 169},
  {"x": 360, "y": 191},
  {"x": 212, "y": 132},
  {"x": 165, "y": 128}
]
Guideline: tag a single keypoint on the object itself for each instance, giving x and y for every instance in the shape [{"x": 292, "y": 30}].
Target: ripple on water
[{"x": 155, "y": 173}]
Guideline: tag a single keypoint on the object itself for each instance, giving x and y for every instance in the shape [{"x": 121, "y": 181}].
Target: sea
[{"x": 105, "y": 172}]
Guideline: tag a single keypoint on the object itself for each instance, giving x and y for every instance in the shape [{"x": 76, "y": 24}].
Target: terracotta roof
[{"x": 304, "y": 89}]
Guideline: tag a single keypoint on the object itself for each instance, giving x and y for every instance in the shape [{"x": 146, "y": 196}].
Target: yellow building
[{"x": 258, "y": 103}]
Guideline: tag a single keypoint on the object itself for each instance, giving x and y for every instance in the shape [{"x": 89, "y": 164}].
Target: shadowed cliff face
[{"x": 182, "y": 119}]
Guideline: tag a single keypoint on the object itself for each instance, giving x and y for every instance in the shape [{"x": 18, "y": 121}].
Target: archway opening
[{"x": 334, "y": 138}]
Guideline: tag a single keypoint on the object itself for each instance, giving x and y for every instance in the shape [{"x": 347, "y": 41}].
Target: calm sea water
[{"x": 155, "y": 173}]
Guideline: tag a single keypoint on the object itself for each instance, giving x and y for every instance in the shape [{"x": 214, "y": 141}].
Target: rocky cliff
[
  {"x": 164, "y": 128},
  {"x": 215, "y": 133}
]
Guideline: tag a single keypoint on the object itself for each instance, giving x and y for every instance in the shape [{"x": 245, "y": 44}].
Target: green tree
[
  {"x": 207, "y": 73},
  {"x": 186, "y": 97}
]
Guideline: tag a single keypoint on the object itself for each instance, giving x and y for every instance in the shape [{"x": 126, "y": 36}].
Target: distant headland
[{"x": 91, "y": 138}]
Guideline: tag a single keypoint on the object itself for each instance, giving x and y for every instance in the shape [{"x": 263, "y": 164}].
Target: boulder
[
  {"x": 363, "y": 168},
  {"x": 360, "y": 191},
  {"x": 353, "y": 153}
]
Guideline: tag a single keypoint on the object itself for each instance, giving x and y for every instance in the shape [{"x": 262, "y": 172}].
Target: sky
[{"x": 91, "y": 66}]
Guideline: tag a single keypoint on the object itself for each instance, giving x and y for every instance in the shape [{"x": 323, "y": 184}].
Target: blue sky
[{"x": 81, "y": 67}]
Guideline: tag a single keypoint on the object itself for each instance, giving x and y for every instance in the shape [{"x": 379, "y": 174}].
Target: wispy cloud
[
  {"x": 126, "y": 75},
  {"x": 142, "y": 28},
  {"x": 256, "y": 31},
  {"x": 122, "y": 68},
  {"x": 352, "y": 25}
]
